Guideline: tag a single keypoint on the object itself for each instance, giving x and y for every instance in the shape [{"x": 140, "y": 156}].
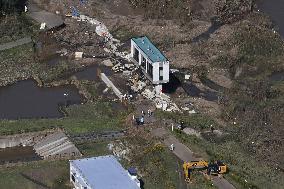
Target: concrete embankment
[
  {"x": 51, "y": 144},
  {"x": 111, "y": 85}
]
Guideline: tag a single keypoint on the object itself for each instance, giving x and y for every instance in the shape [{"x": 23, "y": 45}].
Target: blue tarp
[{"x": 75, "y": 12}]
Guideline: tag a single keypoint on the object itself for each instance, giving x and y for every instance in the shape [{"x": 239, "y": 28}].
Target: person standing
[
  {"x": 172, "y": 147},
  {"x": 142, "y": 120}
]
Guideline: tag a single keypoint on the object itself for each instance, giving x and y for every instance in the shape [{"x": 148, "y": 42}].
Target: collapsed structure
[
  {"x": 101, "y": 172},
  {"x": 151, "y": 60}
]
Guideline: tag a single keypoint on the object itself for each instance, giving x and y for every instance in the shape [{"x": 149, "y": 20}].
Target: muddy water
[
  {"x": 17, "y": 154},
  {"x": 277, "y": 76},
  {"x": 275, "y": 9},
  {"x": 26, "y": 100},
  {"x": 91, "y": 73},
  {"x": 211, "y": 84},
  {"x": 194, "y": 91},
  {"x": 172, "y": 86}
]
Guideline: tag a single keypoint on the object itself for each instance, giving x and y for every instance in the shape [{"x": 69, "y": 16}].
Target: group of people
[{"x": 140, "y": 120}]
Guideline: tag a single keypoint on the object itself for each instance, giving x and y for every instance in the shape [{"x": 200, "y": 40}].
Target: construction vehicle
[{"x": 215, "y": 168}]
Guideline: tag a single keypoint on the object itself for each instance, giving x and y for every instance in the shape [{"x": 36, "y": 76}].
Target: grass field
[
  {"x": 92, "y": 116},
  {"x": 19, "y": 26}
]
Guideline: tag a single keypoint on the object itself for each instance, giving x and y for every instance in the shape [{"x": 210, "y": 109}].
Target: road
[
  {"x": 185, "y": 154},
  {"x": 16, "y": 43}
]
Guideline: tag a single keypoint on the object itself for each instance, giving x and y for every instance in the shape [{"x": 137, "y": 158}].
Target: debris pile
[
  {"x": 102, "y": 31},
  {"x": 161, "y": 100},
  {"x": 119, "y": 149}
]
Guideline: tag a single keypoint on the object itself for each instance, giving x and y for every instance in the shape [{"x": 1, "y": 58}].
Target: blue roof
[
  {"x": 104, "y": 172},
  {"x": 154, "y": 54}
]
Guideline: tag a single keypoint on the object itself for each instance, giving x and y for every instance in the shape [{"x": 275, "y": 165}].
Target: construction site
[{"x": 173, "y": 94}]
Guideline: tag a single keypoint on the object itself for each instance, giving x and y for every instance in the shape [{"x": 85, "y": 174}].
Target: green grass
[
  {"x": 199, "y": 181},
  {"x": 14, "y": 27},
  {"x": 158, "y": 166},
  {"x": 17, "y": 63},
  {"x": 196, "y": 121},
  {"x": 123, "y": 33},
  {"x": 93, "y": 116},
  {"x": 53, "y": 174},
  {"x": 94, "y": 148}
]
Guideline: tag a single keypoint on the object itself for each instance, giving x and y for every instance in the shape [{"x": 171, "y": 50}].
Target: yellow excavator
[{"x": 212, "y": 168}]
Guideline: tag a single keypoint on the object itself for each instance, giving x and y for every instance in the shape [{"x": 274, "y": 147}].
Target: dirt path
[
  {"x": 185, "y": 154},
  {"x": 16, "y": 43}
]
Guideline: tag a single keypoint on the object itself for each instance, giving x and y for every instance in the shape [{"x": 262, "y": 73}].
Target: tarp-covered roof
[
  {"x": 104, "y": 172},
  {"x": 153, "y": 53}
]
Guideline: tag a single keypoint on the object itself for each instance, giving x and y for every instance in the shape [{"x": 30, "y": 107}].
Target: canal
[{"x": 18, "y": 154}]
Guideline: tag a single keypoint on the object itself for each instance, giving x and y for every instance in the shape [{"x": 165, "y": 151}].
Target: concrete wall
[
  {"x": 111, "y": 85},
  {"x": 156, "y": 73},
  {"x": 166, "y": 71},
  {"x": 27, "y": 139},
  {"x": 10, "y": 142}
]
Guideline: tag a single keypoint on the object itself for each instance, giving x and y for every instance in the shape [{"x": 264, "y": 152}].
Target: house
[
  {"x": 103, "y": 172},
  {"x": 151, "y": 60}
]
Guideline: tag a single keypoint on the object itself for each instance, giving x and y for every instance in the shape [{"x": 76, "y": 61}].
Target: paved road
[
  {"x": 16, "y": 43},
  {"x": 185, "y": 154}
]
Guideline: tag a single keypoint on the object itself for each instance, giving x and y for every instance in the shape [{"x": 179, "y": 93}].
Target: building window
[
  {"x": 161, "y": 73},
  {"x": 73, "y": 178},
  {"x": 150, "y": 70},
  {"x": 136, "y": 55},
  {"x": 143, "y": 62}
]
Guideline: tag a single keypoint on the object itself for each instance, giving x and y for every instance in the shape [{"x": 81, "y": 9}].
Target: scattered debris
[
  {"x": 78, "y": 55},
  {"x": 119, "y": 150},
  {"x": 187, "y": 77},
  {"x": 190, "y": 131},
  {"x": 192, "y": 112},
  {"x": 42, "y": 26},
  {"x": 107, "y": 63}
]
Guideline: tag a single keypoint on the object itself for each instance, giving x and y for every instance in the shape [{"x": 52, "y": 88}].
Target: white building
[
  {"x": 103, "y": 172},
  {"x": 153, "y": 63}
]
